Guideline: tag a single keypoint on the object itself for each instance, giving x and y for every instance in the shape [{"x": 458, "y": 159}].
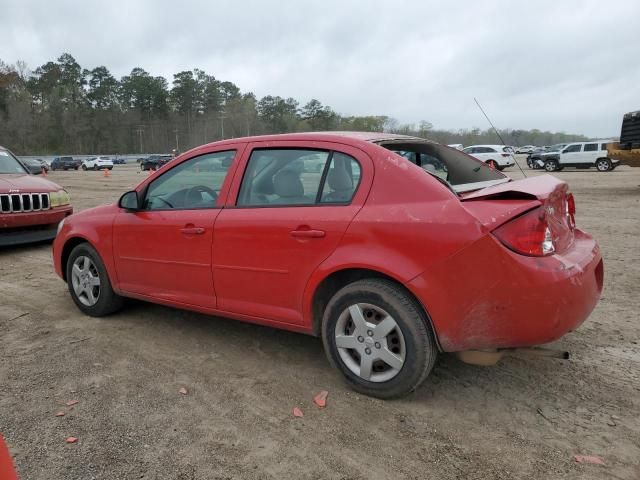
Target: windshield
[
  {"x": 9, "y": 163},
  {"x": 460, "y": 171}
]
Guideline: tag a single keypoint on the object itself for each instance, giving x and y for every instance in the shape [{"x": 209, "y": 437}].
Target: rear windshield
[
  {"x": 460, "y": 171},
  {"x": 9, "y": 163}
]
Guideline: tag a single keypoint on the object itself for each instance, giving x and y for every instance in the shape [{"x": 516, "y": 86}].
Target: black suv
[
  {"x": 65, "y": 163},
  {"x": 154, "y": 162}
]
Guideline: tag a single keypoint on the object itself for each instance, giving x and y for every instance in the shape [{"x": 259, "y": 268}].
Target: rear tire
[
  {"x": 84, "y": 167},
  {"x": 387, "y": 348},
  {"x": 604, "y": 165},
  {"x": 90, "y": 287},
  {"x": 493, "y": 164}
]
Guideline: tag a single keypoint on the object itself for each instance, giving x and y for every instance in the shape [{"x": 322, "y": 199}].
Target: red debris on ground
[
  {"x": 71, "y": 440},
  {"x": 183, "y": 391},
  {"x": 321, "y": 399},
  {"x": 297, "y": 412},
  {"x": 588, "y": 459},
  {"x": 71, "y": 403},
  {"x": 59, "y": 414}
]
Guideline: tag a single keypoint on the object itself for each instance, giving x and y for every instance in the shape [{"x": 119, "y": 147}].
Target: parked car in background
[
  {"x": 581, "y": 155},
  {"x": 65, "y": 163},
  {"x": 97, "y": 163},
  {"x": 526, "y": 149},
  {"x": 332, "y": 254},
  {"x": 117, "y": 160},
  {"x": 457, "y": 146},
  {"x": 154, "y": 162},
  {"x": 536, "y": 160},
  {"x": 35, "y": 166},
  {"x": 496, "y": 156},
  {"x": 31, "y": 208}
]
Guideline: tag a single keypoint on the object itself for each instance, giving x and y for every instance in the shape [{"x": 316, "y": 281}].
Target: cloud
[{"x": 570, "y": 65}]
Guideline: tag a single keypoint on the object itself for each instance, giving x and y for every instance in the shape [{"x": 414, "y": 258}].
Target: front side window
[
  {"x": 193, "y": 184},
  {"x": 289, "y": 177},
  {"x": 603, "y": 146},
  {"x": 572, "y": 149},
  {"x": 9, "y": 163},
  {"x": 591, "y": 147}
]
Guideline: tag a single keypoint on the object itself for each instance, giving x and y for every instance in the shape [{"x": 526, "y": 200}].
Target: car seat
[
  {"x": 289, "y": 189},
  {"x": 342, "y": 185}
]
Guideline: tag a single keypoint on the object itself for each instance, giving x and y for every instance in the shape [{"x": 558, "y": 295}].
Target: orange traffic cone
[
  {"x": 105, "y": 172},
  {"x": 44, "y": 172}
]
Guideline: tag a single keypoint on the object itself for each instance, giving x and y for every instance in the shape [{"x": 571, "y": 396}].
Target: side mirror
[{"x": 129, "y": 201}]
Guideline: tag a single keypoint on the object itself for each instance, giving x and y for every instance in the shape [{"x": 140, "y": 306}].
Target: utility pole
[
  {"x": 140, "y": 132},
  {"x": 177, "y": 145},
  {"x": 222, "y": 117}
]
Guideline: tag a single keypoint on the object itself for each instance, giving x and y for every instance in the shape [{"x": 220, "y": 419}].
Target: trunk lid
[{"x": 493, "y": 206}]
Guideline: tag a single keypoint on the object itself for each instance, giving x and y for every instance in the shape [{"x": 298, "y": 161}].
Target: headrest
[
  {"x": 339, "y": 179},
  {"x": 287, "y": 183}
]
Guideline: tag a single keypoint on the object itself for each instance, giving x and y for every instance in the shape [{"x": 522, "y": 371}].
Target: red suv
[
  {"x": 396, "y": 249},
  {"x": 31, "y": 207}
]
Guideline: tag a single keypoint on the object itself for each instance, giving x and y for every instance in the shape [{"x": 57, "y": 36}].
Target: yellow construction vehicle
[{"x": 627, "y": 150}]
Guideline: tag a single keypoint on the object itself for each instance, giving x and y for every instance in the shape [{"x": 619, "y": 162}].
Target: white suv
[
  {"x": 496, "y": 156},
  {"x": 97, "y": 163},
  {"x": 582, "y": 155}
]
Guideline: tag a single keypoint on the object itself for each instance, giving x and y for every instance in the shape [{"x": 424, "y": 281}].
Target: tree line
[{"x": 61, "y": 107}]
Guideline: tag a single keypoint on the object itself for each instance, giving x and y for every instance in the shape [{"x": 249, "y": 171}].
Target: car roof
[
  {"x": 371, "y": 137},
  {"x": 590, "y": 141},
  {"x": 493, "y": 146}
]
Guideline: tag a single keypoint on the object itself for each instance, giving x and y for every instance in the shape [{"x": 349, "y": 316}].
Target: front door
[
  {"x": 164, "y": 250},
  {"x": 571, "y": 155},
  {"x": 291, "y": 210}
]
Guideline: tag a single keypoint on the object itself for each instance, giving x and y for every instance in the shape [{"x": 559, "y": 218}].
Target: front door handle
[
  {"x": 191, "y": 230},
  {"x": 308, "y": 233}
]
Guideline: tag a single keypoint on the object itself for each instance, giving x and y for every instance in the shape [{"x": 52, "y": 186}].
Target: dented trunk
[{"x": 497, "y": 205}]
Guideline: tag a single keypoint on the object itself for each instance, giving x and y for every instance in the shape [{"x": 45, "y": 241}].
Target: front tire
[
  {"x": 493, "y": 164},
  {"x": 84, "y": 167},
  {"x": 89, "y": 282},
  {"x": 379, "y": 338},
  {"x": 604, "y": 165},
  {"x": 551, "y": 165}
]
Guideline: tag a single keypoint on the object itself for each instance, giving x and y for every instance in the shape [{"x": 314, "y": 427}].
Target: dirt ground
[{"x": 524, "y": 418}]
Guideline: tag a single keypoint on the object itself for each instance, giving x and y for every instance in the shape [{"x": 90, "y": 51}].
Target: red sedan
[{"x": 391, "y": 248}]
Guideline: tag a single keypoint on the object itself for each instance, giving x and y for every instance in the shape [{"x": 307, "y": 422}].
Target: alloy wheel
[
  {"x": 370, "y": 342},
  {"x": 85, "y": 280}
]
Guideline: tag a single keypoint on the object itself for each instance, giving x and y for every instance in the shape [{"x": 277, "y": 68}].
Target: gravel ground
[{"x": 524, "y": 418}]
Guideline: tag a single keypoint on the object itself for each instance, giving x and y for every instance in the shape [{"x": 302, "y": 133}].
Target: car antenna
[{"x": 499, "y": 136}]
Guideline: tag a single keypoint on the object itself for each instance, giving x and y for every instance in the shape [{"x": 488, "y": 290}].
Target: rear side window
[
  {"x": 591, "y": 147},
  {"x": 298, "y": 177},
  {"x": 488, "y": 150},
  {"x": 342, "y": 179},
  {"x": 573, "y": 148}
]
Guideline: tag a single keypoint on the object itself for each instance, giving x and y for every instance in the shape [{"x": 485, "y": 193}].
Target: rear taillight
[
  {"x": 528, "y": 234},
  {"x": 505, "y": 154},
  {"x": 571, "y": 210}
]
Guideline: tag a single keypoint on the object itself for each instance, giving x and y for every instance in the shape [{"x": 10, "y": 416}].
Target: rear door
[
  {"x": 590, "y": 153},
  {"x": 284, "y": 217}
]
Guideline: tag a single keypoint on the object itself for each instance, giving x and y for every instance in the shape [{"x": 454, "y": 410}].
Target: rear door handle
[
  {"x": 308, "y": 233},
  {"x": 192, "y": 230}
]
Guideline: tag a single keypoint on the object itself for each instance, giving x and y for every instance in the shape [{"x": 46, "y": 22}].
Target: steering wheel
[{"x": 194, "y": 194}]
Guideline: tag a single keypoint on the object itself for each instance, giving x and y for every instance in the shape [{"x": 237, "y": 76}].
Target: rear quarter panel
[{"x": 409, "y": 223}]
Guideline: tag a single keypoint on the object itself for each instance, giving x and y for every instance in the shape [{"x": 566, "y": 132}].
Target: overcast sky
[{"x": 559, "y": 65}]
